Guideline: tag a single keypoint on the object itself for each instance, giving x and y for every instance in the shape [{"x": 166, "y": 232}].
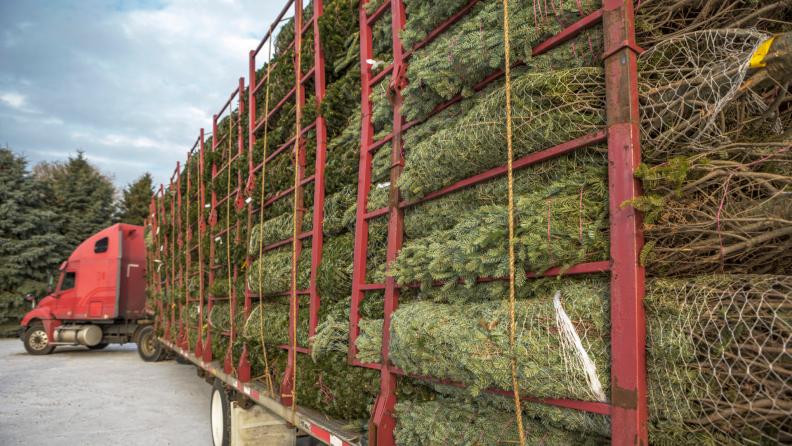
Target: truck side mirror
[{"x": 30, "y": 297}]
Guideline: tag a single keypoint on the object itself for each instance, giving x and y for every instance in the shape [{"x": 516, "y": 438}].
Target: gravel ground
[{"x": 76, "y": 396}]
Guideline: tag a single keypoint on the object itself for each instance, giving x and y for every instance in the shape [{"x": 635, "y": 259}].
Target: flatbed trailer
[
  {"x": 618, "y": 139},
  {"x": 307, "y": 420},
  {"x": 628, "y": 405}
]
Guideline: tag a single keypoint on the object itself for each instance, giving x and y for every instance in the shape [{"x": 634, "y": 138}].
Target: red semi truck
[{"x": 100, "y": 298}]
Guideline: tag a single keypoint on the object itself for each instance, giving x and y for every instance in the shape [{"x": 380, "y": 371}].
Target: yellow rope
[
  {"x": 295, "y": 240},
  {"x": 186, "y": 279},
  {"x": 231, "y": 287},
  {"x": 200, "y": 259},
  {"x": 261, "y": 215},
  {"x": 511, "y": 221}
]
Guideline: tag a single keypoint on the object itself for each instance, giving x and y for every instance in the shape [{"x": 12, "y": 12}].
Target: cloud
[
  {"x": 15, "y": 100},
  {"x": 129, "y": 82}
]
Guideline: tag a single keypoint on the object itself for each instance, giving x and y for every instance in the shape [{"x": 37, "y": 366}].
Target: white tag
[
  {"x": 383, "y": 185},
  {"x": 217, "y": 239},
  {"x": 374, "y": 63},
  {"x": 208, "y": 206},
  {"x": 162, "y": 247},
  {"x": 249, "y": 200},
  {"x": 246, "y": 390},
  {"x": 335, "y": 441},
  {"x": 157, "y": 230}
]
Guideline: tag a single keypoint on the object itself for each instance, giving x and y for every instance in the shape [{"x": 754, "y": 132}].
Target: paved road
[{"x": 75, "y": 396}]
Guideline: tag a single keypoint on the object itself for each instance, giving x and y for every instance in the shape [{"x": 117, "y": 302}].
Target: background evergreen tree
[
  {"x": 82, "y": 197},
  {"x": 29, "y": 240},
  {"x": 134, "y": 206}
]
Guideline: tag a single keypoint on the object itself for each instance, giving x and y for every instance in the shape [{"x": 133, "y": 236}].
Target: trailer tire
[
  {"x": 220, "y": 415},
  {"x": 98, "y": 346},
  {"x": 36, "y": 341},
  {"x": 149, "y": 348}
]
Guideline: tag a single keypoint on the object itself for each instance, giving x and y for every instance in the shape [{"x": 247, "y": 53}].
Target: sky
[{"x": 131, "y": 83}]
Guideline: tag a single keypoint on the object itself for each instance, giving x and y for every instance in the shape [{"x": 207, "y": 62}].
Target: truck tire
[
  {"x": 220, "y": 415},
  {"x": 36, "y": 341},
  {"x": 98, "y": 346},
  {"x": 149, "y": 348}
]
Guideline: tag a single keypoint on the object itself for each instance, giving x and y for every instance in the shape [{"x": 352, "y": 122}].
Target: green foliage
[
  {"x": 561, "y": 220},
  {"x": 470, "y": 343},
  {"x": 548, "y": 109},
  {"x": 136, "y": 200},
  {"x": 29, "y": 241},
  {"x": 82, "y": 198},
  {"x": 473, "y": 49}
]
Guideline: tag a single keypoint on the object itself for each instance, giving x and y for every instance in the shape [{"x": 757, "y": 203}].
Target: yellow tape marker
[{"x": 761, "y": 52}]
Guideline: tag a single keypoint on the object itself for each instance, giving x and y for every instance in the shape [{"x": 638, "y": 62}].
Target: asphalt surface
[{"x": 77, "y": 396}]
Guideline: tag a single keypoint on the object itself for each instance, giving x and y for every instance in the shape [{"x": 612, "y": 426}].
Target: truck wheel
[
  {"x": 149, "y": 348},
  {"x": 220, "y": 415},
  {"x": 98, "y": 346},
  {"x": 36, "y": 341}
]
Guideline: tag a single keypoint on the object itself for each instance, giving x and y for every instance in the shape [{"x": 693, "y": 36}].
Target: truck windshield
[{"x": 68, "y": 281}]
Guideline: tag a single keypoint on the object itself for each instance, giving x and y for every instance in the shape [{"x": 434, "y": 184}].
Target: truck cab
[{"x": 100, "y": 296}]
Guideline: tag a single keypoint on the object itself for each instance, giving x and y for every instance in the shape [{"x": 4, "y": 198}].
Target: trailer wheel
[
  {"x": 36, "y": 341},
  {"x": 220, "y": 415},
  {"x": 98, "y": 346},
  {"x": 149, "y": 348}
]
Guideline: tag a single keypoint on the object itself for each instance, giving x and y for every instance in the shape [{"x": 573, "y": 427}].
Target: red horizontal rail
[
  {"x": 381, "y": 142},
  {"x": 221, "y": 233},
  {"x": 372, "y": 286},
  {"x": 297, "y": 349},
  {"x": 378, "y": 13},
  {"x": 583, "y": 142},
  {"x": 283, "y": 194},
  {"x": 307, "y": 25},
  {"x": 219, "y": 142},
  {"x": 218, "y": 298},
  {"x": 228, "y": 102},
  {"x": 588, "y": 406},
  {"x": 233, "y": 158},
  {"x": 442, "y": 28},
  {"x": 222, "y": 200},
  {"x": 264, "y": 79},
  {"x": 562, "y": 149},
  {"x": 375, "y": 214},
  {"x": 381, "y": 75},
  {"x": 302, "y": 236},
  {"x": 275, "y": 109},
  {"x": 285, "y": 146},
  {"x": 308, "y": 75},
  {"x": 580, "y": 268},
  {"x": 593, "y": 19},
  {"x": 277, "y": 20}
]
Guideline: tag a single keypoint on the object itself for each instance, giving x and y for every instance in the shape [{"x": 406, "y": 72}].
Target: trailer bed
[{"x": 316, "y": 424}]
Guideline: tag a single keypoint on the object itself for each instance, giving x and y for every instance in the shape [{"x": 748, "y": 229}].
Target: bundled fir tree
[{"x": 29, "y": 240}]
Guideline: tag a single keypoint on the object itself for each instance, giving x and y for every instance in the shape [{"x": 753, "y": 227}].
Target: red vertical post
[
  {"x": 386, "y": 400},
  {"x": 364, "y": 185},
  {"x": 287, "y": 386},
  {"x": 628, "y": 316},
  {"x": 199, "y": 346},
  {"x": 208, "y": 345},
  {"x": 319, "y": 176}
]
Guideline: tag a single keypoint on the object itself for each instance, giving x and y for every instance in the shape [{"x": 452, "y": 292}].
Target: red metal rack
[
  {"x": 256, "y": 126},
  {"x": 628, "y": 400},
  {"x": 628, "y": 406}
]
